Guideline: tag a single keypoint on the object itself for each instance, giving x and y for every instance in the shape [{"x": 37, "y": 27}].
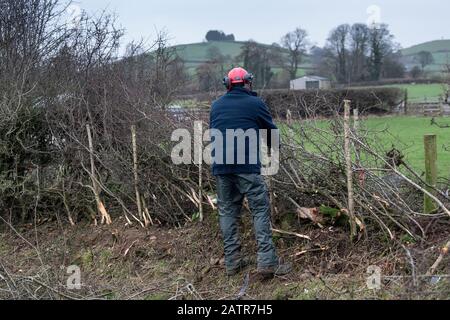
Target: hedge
[{"x": 307, "y": 103}]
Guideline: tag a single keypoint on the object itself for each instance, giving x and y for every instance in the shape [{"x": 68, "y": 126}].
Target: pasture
[
  {"x": 422, "y": 92},
  {"x": 418, "y": 93},
  {"x": 407, "y": 135}
]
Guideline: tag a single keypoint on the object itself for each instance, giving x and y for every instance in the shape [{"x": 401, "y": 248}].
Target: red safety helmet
[{"x": 237, "y": 75}]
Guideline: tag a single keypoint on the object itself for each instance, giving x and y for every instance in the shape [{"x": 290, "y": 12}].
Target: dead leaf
[{"x": 312, "y": 214}]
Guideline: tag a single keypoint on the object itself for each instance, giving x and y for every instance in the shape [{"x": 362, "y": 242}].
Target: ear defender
[
  {"x": 248, "y": 78},
  {"x": 237, "y": 75},
  {"x": 227, "y": 82}
]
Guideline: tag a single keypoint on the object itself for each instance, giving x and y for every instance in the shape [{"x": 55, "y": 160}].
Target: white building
[{"x": 310, "y": 83}]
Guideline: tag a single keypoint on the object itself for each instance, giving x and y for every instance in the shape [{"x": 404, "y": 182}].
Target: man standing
[{"x": 238, "y": 173}]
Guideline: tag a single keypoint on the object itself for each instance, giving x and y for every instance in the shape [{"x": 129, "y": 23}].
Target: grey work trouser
[{"x": 232, "y": 189}]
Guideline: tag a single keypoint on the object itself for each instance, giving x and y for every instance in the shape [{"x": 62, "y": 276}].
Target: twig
[
  {"x": 439, "y": 260},
  {"x": 291, "y": 234},
  {"x": 100, "y": 206}
]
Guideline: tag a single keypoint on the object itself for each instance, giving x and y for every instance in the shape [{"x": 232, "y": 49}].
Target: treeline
[
  {"x": 215, "y": 35},
  {"x": 353, "y": 53}
]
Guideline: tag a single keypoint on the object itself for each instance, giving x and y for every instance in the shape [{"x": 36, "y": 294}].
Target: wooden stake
[
  {"x": 289, "y": 117},
  {"x": 430, "y": 142},
  {"x": 199, "y": 150},
  {"x": 356, "y": 120},
  {"x": 106, "y": 218},
  {"x": 136, "y": 176},
  {"x": 349, "y": 169},
  {"x": 439, "y": 260},
  {"x": 356, "y": 128}
]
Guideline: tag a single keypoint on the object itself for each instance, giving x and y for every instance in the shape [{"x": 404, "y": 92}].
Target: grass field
[
  {"x": 423, "y": 92},
  {"x": 440, "y": 49},
  {"x": 432, "y": 46},
  {"x": 407, "y": 135},
  {"x": 196, "y": 54},
  {"x": 420, "y": 92}
]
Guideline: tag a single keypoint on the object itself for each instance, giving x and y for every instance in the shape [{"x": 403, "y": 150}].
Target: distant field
[
  {"x": 440, "y": 50},
  {"x": 432, "y": 46},
  {"x": 406, "y": 134},
  {"x": 196, "y": 54},
  {"x": 422, "y": 92}
]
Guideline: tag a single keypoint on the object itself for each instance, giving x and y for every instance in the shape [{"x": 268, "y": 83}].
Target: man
[{"x": 241, "y": 110}]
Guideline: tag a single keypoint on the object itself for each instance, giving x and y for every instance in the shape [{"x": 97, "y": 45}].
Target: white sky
[{"x": 411, "y": 21}]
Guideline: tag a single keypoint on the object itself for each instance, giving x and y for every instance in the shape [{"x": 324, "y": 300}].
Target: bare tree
[
  {"x": 337, "y": 45},
  {"x": 424, "y": 58},
  {"x": 296, "y": 42},
  {"x": 258, "y": 60},
  {"x": 381, "y": 45},
  {"x": 359, "y": 47}
]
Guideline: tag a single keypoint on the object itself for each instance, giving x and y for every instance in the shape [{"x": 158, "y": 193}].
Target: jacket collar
[{"x": 239, "y": 90}]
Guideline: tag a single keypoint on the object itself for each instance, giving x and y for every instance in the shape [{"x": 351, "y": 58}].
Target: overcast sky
[{"x": 411, "y": 21}]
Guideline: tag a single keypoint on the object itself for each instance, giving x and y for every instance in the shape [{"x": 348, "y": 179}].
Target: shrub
[{"x": 307, "y": 103}]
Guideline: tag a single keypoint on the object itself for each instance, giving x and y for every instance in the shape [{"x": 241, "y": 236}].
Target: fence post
[
  {"x": 199, "y": 155},
  {"x": 431, "y": 171},
  {"x": 406, "y": 102},
  {"x": 349, "y": 169},
  {"x": 141, "y": 212}
]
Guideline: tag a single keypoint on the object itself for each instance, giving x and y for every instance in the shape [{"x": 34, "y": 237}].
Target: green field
[
  {"x": 422, "y": 92},
  {"x": 407, "y": 134},
  {"x": 196, "y": 54},
  {"x": 432, "y": 46},
  {"x": 419, "y": 92},
  {"x": 440, "y": 50}
]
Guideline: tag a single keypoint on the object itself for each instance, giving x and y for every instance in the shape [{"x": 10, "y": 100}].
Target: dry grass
[{"x": 159, "y": 264}]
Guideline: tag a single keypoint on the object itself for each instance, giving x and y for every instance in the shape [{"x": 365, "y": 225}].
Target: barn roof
[{"x": 313, "y": 78}]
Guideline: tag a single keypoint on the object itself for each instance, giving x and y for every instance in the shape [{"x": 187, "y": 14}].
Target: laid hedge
[{"x": 307, "y": 103}]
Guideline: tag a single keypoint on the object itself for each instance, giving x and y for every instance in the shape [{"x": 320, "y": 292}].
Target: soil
[{"x": 126, "y": 262}]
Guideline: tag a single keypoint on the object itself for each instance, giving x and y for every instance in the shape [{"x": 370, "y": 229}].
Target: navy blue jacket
[{"x": 239, "y": 109}]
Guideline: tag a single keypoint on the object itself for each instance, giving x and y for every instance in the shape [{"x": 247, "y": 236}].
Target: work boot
[
  {"x": 244, "y": 263},
  {"x": 280, "y": 270}
]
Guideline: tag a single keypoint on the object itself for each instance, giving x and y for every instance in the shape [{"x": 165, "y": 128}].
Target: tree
[
  {"x": 381, "y": 45},
  {"x": 209, "y": 74},
  {"x": 258, "y": 59},
  {"x": 359, "y": 53},
  {"x": 322, "y": 61},
  {"x": 296, "y": 43},
  {"x": 416, "y": 72},
  {"x": 215, "y": 35},
  {"x": 424, "y": 58},
  {"x": 393, "y": 68},
  {"x": 359, "y": 47},
  {"x": 337, "y": 50}
]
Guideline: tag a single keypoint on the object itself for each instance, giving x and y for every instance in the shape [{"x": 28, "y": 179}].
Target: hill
[
  {"x": 440, "y": 50},
  {"x": 196, "y": 54}
]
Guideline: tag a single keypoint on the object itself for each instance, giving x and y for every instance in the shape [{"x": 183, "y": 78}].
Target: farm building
[{"x": 310, "y": 82}]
